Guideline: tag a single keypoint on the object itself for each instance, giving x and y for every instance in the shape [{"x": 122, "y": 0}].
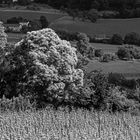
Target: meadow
[
  {"x": 50, "y": 124},
  {"x": 106, "y": 27},
  {"x": 109, "y": 48},
  {"x": 128, "y": 68},
  {"x": 31, "y": 15}
]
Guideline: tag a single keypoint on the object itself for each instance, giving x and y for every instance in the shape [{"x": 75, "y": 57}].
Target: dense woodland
[
  {"x": 82, "y": 8},
  {"x": 84, "y": 4},
  {"x": 89, "y": 4}
]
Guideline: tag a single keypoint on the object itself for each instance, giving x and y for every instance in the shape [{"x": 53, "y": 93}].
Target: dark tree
[{"x": 44, "y": 22}]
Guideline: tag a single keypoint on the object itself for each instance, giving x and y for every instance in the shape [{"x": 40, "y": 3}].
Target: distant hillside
[{"x": 101, "y": 27}]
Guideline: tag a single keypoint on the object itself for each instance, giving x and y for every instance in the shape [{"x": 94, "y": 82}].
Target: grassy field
[
  {"x": 107, "y": 48},
  {"x": 102, "y": 26},
  {"x": 64, "y": 125},
  {"x": 128, "y": 68},
  {"x": 30, "y": 15},
  {"x": 131, "y": 69}
]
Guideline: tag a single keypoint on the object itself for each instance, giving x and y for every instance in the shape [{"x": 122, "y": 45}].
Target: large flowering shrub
[
  {"x": 3, "y": 43},
  {"x": 3, "y": 38},
  {"x": 43, "y": 65},
  {"x": 84, "y": 47}
]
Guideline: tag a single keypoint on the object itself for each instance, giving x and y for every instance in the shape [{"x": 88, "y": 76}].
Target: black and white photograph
[{"x": 69, "y": 69}]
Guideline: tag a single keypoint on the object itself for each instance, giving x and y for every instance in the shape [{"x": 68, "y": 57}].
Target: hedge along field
[
  {"x": 101, "y": 27},
  {"x": 31, "y": 15}
]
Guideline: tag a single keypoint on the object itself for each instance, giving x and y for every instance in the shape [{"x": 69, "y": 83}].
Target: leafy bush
[
  {"x": 34, "y": 26},
  {"x": 44, "y": 22},
  {"x": 119, "y": 80},
  {"x": 126, "y": 13},
  {"x": 115, "y": 78},
  {"x": 41, "y": 66},
  {"x": 118, "y": 101},
  {"x": 3, "y": 43},
  {"x": 73, "y": 13},
  {"x": 83, "y": 37},
  {"x": 3, "y": 36},
  {"x": 109, "y": 14},
  {"x": 128, "y": 52},
  {"x": 33, "y": 7},
  {"x": 83, "y": 44},
  {"x": 124, "y": 53},
  {"x": 91, "y": 53},
  {"x": 30, "y": 26},
  {"x": 117, "y": 39},
  {"x": 135, "y": 53},
  {"x": 132, "y": 38},
  {"x": 99, "y": 52},
  {"x": 82, "y": 61},
  {"x": 92, "y": 15},
  {"x": 67, "y": 35},
  {"x": 100, "y": 87},
  {"x": 108, "y": 57},
  {"x": 24, "y": 29}
]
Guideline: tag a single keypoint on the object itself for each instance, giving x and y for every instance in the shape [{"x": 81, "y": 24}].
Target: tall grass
[{"x": 49, "y": 124}]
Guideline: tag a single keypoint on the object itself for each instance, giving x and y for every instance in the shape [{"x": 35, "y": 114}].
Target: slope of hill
[{"x": 102, "y": 26}]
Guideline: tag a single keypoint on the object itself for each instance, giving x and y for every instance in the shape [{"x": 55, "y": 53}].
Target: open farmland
[
  {"x": 101, "y": 27},
  {"x": 108, "y": 48},
  {"x": 131, "y": 69},
  {"x": 128, "y": 68},
  {"x": 61, "y": 124},
  {"x": 31, "y": 15}
]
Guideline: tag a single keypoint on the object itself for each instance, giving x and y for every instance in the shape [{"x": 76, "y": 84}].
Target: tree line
[
  {"x": 90, "y": 4},
  {"x": 84, "y": 4}
]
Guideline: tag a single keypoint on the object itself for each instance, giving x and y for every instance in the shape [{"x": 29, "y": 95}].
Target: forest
[{"x": 89, "y": 4}]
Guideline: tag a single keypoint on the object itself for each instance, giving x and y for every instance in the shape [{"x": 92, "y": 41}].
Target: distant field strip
[
  {"x": 108, "y": 48},
  {"x": 118, "y": 66},
  {"x": 31, "y": 15},
  {"x": 102, "y": 26}
]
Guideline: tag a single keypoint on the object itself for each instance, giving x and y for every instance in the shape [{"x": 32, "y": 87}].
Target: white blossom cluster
[
  {"x": 54, "y": 59},
  {"x": 3, "y": 37}
]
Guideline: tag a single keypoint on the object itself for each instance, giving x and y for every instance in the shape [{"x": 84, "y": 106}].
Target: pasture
[
  {"x": 106, "y": 27},
  {"x": 30, "y": 15},
  {"x": 61, "y": 124},
  {"x": 128, "y": 68},
  {"x": 108, "y": 48}
]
